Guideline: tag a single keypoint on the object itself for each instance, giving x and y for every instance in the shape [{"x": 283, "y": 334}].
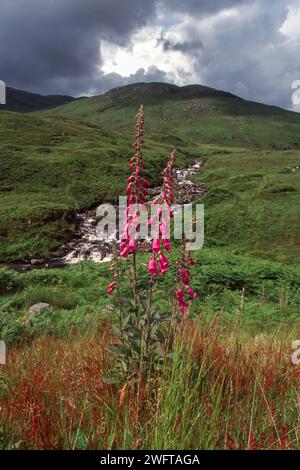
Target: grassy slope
[
  {"x": 253, "y": 198},
  {"x": 253, "y": 202},
  {"x": 51, "y": 167},
  {"x": 55, "y": 165}
]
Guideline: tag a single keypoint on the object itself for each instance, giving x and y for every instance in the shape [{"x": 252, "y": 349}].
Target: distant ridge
[
  {"x": 152, "y": 93},
  {"x": 25, "y": 102},
  {"x": 195, "y": 102}
]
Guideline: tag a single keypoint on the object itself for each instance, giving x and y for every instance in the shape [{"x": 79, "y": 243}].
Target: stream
[{"x": 87, "y": 247}]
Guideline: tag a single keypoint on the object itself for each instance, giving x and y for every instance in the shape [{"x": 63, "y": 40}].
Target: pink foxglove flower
[
  {"x": 152, "y": 267},
  {"x": 182, "y": 301},
  {"x": 123, "y": 245},
  {"x": 162, "y": 201},
  {"x": 156, "y": 245},
  {"x": 167, "y": 244},
  {"x": 164, "y": 230},
  {"x": 136, "y": 187},
  {"x": 124, "y": 252},
  {"x": 111, "y": 287},
  {"x": 163, "y": 263},
  {"x": 179, "y": 293},
  {"x": 183, "y": 310},
  {"x": 185, "y": 294},
  {"x": 192, "y": 293},
  {"x": 131, "y": 245}
]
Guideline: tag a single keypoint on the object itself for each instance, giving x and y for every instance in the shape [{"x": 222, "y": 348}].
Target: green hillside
[
  {"x": 251, "y": 151},
  {"x": 52, "y": 167},
  {"x": 75, "y": 156},
  {"x": 190, "y": 116}
]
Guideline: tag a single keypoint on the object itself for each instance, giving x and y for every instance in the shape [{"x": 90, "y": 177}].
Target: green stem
[
  {"x": 148, "y": 327},
  {"x": 134, "y": 285}
]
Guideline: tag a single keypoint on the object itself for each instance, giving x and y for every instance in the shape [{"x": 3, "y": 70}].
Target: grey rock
[{"x": 37, "y": 308}]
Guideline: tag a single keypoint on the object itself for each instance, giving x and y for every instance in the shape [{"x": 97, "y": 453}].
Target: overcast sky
[{"x": 84, "y": 47}]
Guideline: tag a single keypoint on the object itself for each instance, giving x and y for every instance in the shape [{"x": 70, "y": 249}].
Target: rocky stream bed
[{"x": 87, "y": 246}]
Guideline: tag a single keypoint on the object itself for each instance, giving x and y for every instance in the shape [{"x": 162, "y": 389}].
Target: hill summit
[{"x": 156, "y": 92}]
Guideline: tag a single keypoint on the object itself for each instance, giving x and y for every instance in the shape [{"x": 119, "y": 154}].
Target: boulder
[{"x": 37, "y": 308}]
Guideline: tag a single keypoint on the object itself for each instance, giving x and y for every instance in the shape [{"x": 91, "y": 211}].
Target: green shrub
[{"x": 10, "y": 281}]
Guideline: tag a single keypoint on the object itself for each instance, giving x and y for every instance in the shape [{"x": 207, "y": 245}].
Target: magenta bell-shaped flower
[{"x": 152, "y": 267}]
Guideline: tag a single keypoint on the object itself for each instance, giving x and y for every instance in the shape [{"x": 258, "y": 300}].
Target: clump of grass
[
  {"x": 279, "y": 188},
  {"x": 224, "y": 389}
]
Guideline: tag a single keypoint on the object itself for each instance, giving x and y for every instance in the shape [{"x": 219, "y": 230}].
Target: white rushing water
[{"x": 87, "y": 246}]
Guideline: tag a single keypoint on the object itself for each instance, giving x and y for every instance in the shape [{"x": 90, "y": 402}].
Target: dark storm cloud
[
  {"x": 185, "y": 46},
  {"x": 203, "y": 7},
  {"x": 53, "y": 45},
  {"x": 244, "y": 53},
  {"x": 248, "y": 55}
]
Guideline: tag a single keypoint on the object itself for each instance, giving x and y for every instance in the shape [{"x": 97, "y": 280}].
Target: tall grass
[{"x": 224, "y": 389}]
